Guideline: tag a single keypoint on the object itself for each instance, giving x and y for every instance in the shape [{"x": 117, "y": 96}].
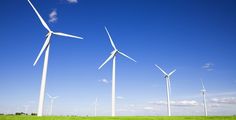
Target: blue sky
[{"x": 195, "y": 37}]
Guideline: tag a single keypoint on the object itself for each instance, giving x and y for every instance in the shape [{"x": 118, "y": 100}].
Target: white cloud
[
  {"x": 208, "y": 66},
  {"x": 32, "y": 102},
  {"x": 131, "y": 105},
  {"x": 222, "y": 94},
  {"x": 177, "y": 103},
  {"x": 120, "y": 97},
  {"x": 123, "y": 110},
  {"x": 224, "y": 100},
  {"x": 72, "y": 1},
  {"x": 105, "y": 81},
  {"x": 53, "y": 16},
  {"x": 148, "y": 108},
  {"x": 158, "y": 102},
  {"x": 214, "y": 105},
  {"x": 185, "y": 103}
]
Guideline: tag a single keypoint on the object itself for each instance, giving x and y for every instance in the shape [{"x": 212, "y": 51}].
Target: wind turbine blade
[
  {"x": 172, "y": 72},
  {"x": 56, "y": 97},
  {"x": 112, "y": 43},
  {"x": 161, "y": 69},
  {"x": 67, "y": 35},
  {"x": 109, "y": 58},
  {"x": 45, "y": 45},
  {"x": 96, "y": 100},
  {"x": 202, "y": 85},
  {"x": 126, "y": 56},
  {"x": 49, "y": 95},
  {"x": 41, "y": 19}
]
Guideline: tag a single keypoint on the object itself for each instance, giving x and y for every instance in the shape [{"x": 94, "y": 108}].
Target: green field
[{"x": 118, "y": 118}]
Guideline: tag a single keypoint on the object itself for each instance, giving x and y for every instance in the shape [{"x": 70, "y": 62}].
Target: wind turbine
[
  {"x": 113, "y": 55},
  {"x": 45, "y": 49},
  {"x": 51, "y": 102},
  {"x": 26, "y": 108},
  {"x": 203, "y": 91},
  {"x": 168, "y": 87},
  {"x": 95, "y": 106}
]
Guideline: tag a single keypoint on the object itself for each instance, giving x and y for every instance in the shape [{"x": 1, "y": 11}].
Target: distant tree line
[{"x": 20, "y": 113}]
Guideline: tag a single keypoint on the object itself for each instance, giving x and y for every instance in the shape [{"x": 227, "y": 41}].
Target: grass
[{"x": 4, "y": 117}]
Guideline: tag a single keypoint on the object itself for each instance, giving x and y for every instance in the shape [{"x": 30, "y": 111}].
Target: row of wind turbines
[{"x": 114, "y": 53}]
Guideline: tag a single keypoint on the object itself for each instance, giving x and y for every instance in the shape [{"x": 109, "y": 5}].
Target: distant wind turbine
[
  {"x": 51, "y": 102},
  {"x": 113, "y": 55},
  {"x": 203, "y": 91},
  {"x": 168, "y": 87},
  {"x": 95, "y": 106},
  {"x": 45, "y": 48},
  {"x": 26, "y": 108}
]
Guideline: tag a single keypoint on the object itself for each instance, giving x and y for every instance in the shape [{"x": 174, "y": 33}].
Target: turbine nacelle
[
  {"x": 114, "y": 52},
  {"x": 49, "y": 33},
  {"x": 166, "y": 76},
  {"x": 203, "y": 90}
]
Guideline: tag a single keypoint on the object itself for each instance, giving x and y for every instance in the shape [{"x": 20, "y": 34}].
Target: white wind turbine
[
  {"x": 95, "y": 106},
  {"x": 45, "y": 48},
  {"x": 51, "y": 102},
  {"x": 113, "y": 55},
  {"x": 26, "y": 108},
  {"x": 168, "y": 87},
  {"x": 203, "y": 91}
]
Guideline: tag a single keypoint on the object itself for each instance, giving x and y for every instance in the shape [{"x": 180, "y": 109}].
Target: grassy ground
[{"x": 118, "y": 118}]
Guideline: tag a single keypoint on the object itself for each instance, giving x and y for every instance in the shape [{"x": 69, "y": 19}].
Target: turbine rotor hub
[
  {"x": 50, "y": 32},
  {"x": 114, "y": 52}
]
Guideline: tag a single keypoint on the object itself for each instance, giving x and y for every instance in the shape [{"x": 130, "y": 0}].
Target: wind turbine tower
[
  {"x": 113, "y": 55},
  {"x": 95, "y": 106},
  {"x": 168, "y": 87}
]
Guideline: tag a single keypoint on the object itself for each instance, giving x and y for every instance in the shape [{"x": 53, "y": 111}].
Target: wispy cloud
[
  {"x": 132, "y": 105},
  {"x": 185, "y": 103},
  {"x": 208, "y": 66},
  {"x": 214, "y": 105},
  {"x": 158, "y": 102},
  {"x": 120, "y": 97},
  {"x": 72, "y": 1},
  {"x": 224, "y": 100},
  {"x": 177, "y": 103},
  {"x": 105, "y": 81},
  {"x": 53, "y": 16},
  {"x": 234, "y": 81},
  {"x": 223, "y": 94},
  {"x": 32, "y": 102},
  {"x": 148, "y": 108}
]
